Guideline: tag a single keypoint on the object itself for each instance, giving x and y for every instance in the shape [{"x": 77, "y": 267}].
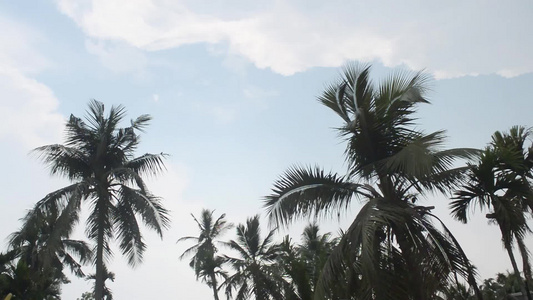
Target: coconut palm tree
[
  {"x": 98, "y": 158},
  {"x": 303, "y": 263},
  {"x": 517, "y": 160},
  {"x": 457, "y": 291},
  {"x": 43, "y": 250},
  {"x": 298, "y": 286},
  {"x": 204, "y": 261},
  {"x": 23, "y": 283},
  {"x": 45, "y": 246},
  {"x": 315, "y": 248},
  {"x": 391, "y": 250},
  {"x": 256, "y": 273},
  {"x": 498, "y": 182}
]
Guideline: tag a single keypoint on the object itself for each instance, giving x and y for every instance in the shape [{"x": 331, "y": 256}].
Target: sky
[{"x": 232, "y": 86}]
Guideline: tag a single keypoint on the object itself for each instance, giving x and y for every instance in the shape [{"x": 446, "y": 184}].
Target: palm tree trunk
[
  {"x": 99, "y": 280},
  {"x": 515, "y": 266},
  {"x": 101, "y": 207},
  {"x": 214, "y": 286},
  {"x": 526, "y": 268}
]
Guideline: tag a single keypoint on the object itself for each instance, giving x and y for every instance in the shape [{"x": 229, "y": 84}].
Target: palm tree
[
  {"x": 98, "y": 158},
  {"x": 43, "y": 249},
  {"x": 493, "y": 290},
  {"x": 315, "y": 248},
  {"x": 391, "y": 250},
  {"x": 457, "y": 291},
  {"x": 45, "y": 246},
  {"x": 23, "y": 283},
  {"x": 303, "y": 263},
  {"x": 255, "y": 270},
  {"x": 518, "y": 161},
  {"x": 498, "y": 183},
  {"x": 298, "y": 286},
  {"x": 205, "y": 263}
]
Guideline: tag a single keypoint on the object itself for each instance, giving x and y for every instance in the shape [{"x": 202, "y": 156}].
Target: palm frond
[
  {"x": 129, "y": 234},
  {"x": 70, "y": 162},
  {"x": 141, "y": 122},
  {"x": 148, "y": 164},
  {"x": 308, "y": 191},
  {"x": 154, "y": 215}
]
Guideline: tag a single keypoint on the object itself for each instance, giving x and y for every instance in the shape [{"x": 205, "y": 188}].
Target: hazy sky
[{"x": 232, "y": 88}]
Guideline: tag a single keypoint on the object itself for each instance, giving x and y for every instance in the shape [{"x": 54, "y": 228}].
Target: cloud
[
  {"x": 29, "y": 108},
  {"x": 449, "y": 39}
]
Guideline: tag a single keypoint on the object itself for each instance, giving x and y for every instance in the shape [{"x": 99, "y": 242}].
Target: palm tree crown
[
  {"x": 499, "y": 182},
  {"x": 391, "y": 250},
  {"x": 255, "y": 270},
  {"x": 98, "y": 158},
  {"x": 206, "y": 264}
]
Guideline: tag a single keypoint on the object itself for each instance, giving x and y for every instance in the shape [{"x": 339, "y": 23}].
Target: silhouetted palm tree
[
  {"x": 98, "y": 158},
  {"x": 43, "y": 249},
  {"x": 498, "y": 182},
  {"x": 303, "y": 263},
  {"x": 391, "y": 250},
  {"x": 205, "y": 263},
  {"x": 255, "y": 270},
  {"x": 44, "y": 244}
]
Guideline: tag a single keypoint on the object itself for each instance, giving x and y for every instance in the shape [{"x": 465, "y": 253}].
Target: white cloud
[
  {"x": 450, "y": 39},
  {"x": 29, "y": 108}
]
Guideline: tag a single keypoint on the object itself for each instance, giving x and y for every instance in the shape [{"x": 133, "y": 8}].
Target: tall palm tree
[
  {"x": 457, "y": 291},
  {"x": 518, "y": 161},
  {"x": 43, "y": 249},
  {"x": 303, "y": 262},
  {"x": 98, "y": 158},
  {"x": 256, "y": 273},
  {"x": 392, "y": 247},
  {"x": 315, "y": 249},
  {"x": 499, "y": 183},
  {"x": 23, "y": 283},
  {"x": 45, "y": 245},
  {"x": 205, "y": 263},
  {"x": 298, "y": 285}
]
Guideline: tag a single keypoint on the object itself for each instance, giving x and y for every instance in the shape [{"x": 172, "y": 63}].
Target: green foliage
[
  {"x": 206, "y": 264},
  {"x": 24, "y": 283},
  {"x": 302, "y": 264},
  {"x": 499, "y": 183},
  {"x": 391, "y": 250},
  {"x": 98, "y": 158},
  {"x": 256, "y": 273},
  {"x": 86, "y": 296},
  {"x": 33, "y": 268}
]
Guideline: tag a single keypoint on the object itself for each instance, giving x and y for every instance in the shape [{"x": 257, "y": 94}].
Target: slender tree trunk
[
  {"x": 525, "y": 265},
  {"x": 99, "y": 282},
  {"x": 515, "y": 266},
  {"x": 214, "y": 286},
  {"x": 101, "y": 207}
]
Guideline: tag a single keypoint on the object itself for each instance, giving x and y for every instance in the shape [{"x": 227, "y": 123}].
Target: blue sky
[{"x": 232, "y": 88}]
